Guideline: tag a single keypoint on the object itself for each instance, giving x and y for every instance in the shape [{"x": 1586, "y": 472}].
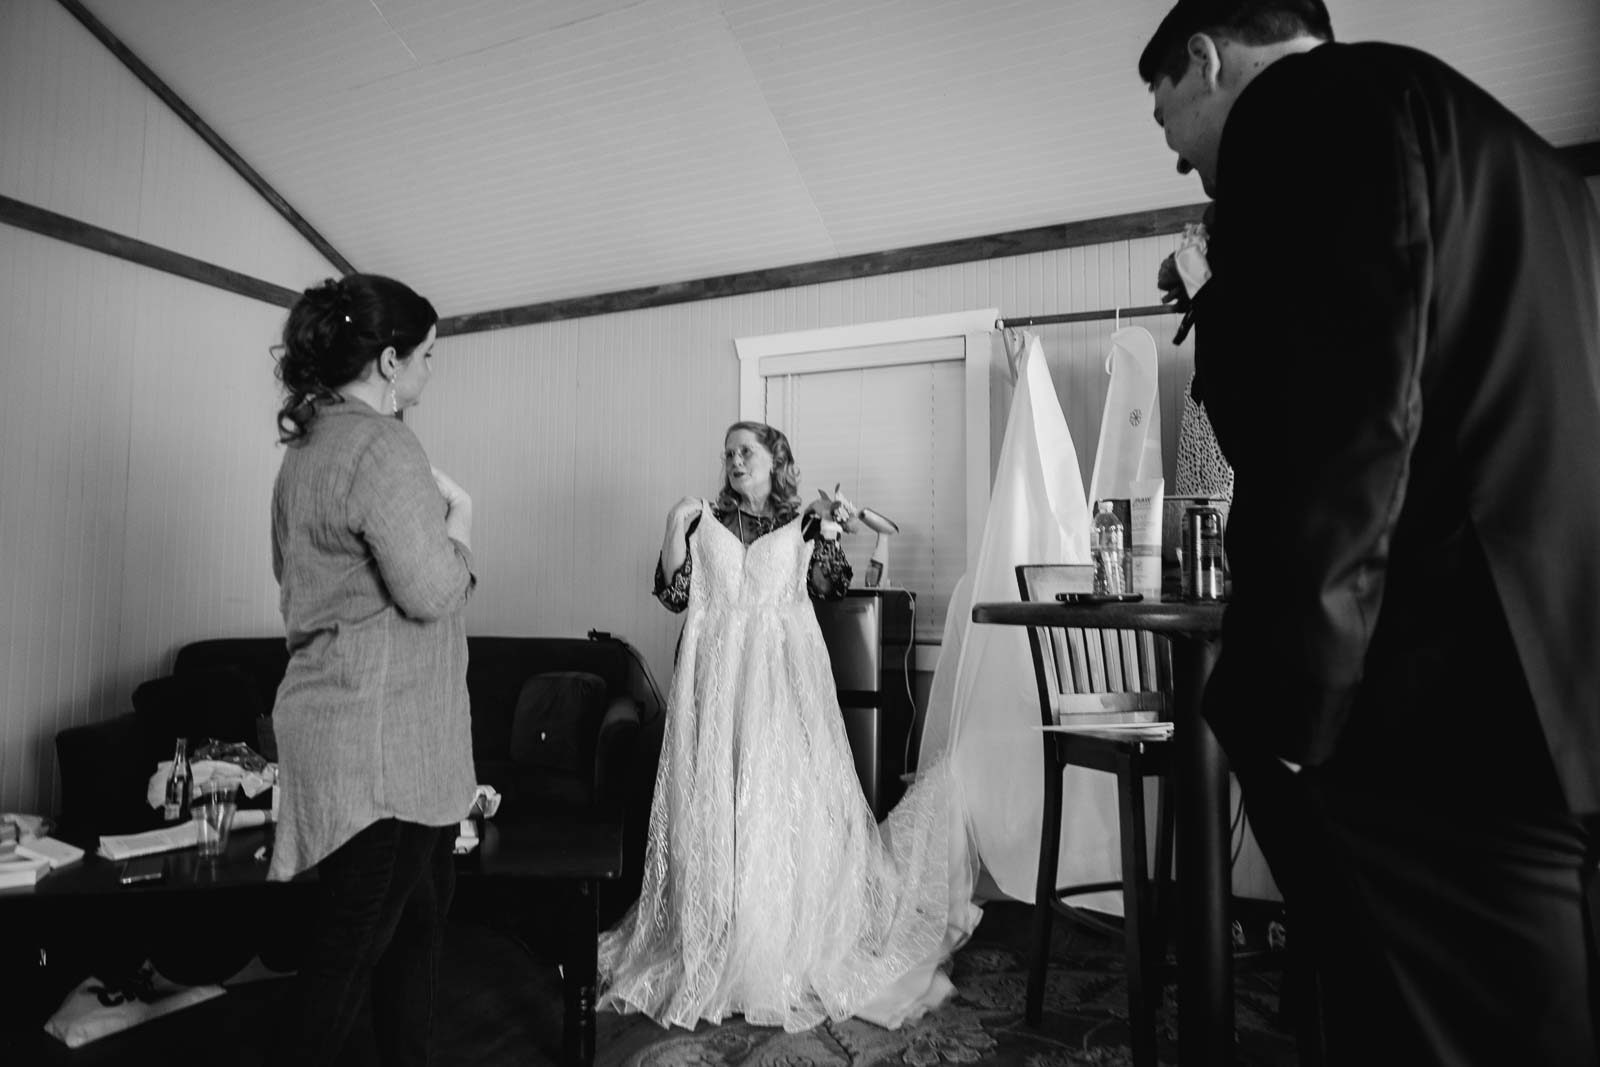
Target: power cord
[
  {"x": 911, "y": 697},
  {"x": 1236, "y": 830}
]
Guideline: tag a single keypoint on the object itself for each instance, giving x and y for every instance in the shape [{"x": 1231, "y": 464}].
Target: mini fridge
[{"x": 869, "y": 639}]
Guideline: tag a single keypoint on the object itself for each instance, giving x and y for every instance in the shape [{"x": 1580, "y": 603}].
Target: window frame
[{"x": 816, "y": 351}]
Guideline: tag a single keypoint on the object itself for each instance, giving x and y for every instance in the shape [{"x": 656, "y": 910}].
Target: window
[{"x": 897, "y": 415}]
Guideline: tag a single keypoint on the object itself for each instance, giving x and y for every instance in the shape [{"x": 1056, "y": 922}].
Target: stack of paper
[
  {"x": 1131, "y": 731},
  {"x": 56, "y": 853},
  {"x": 126, "y": 846},
  {"x": 17, "y": 869}
]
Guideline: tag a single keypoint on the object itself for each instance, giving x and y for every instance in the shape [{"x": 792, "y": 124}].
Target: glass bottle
[
  {"x": 1106, "y": 549},
  {"x": 176, "y": 806}
]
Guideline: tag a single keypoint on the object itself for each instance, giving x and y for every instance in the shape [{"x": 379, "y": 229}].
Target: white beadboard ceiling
[{"x": 495, "y": 153}]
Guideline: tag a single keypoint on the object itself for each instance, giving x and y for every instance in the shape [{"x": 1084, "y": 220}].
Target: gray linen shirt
[{"x": 372, "y": 718}]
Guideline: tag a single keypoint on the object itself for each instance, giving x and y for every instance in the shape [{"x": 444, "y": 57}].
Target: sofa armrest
[{"x": 613, "y": 752}]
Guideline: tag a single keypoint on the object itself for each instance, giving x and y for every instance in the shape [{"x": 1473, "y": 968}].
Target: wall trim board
[
  {"x": 1152, "y": 223},
  {"x": 162, "y": 90},
  {"x": 98, "y": 239}
]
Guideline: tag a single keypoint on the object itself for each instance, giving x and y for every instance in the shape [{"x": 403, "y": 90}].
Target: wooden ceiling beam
[
  {"x": 1585, "y": 156},
  {"x": 96, "y": 238},
  {"x": 918, "y": 257},
  {"x": 114, "y": 44}
]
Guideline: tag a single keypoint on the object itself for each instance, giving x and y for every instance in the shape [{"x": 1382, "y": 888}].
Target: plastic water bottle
[{"x": 1106, "y": 549}]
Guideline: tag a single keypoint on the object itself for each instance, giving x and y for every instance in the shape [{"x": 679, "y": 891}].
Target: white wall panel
[
  {"x": 498, "y": 153},
  {"x": 137, "y": 446},
  {"x": 574, "y": 438},
  {"x": 81, "y": 136},
  {"x": 136, "y": 460}
]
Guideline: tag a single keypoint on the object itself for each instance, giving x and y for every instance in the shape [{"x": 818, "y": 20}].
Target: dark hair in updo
[{"x": 334, "y": 331}]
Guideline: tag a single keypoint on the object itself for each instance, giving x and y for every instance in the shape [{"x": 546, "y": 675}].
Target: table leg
[
  {"x": 1205, "y": 949},
  {"x": 583, "y": 938}
]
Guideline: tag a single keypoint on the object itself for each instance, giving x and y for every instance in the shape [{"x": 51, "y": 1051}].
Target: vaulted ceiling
[{"x": 507, "y": 152}]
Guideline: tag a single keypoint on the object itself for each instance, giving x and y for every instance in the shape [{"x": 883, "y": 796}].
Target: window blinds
[{"x": 891, "y": 436}]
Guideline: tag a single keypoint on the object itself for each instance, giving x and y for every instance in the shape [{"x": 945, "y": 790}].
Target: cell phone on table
[
  {"x": 1099, "y": 598},
  {"x": 142, "y": 869}
]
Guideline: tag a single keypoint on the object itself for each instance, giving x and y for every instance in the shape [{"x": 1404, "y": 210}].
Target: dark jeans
[
  {"x": 1439, "y": 886},
  {"x": 375, "y": 941}
]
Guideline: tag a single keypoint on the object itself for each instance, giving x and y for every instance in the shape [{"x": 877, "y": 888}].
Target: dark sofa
[{"x": 557, "y": 723}]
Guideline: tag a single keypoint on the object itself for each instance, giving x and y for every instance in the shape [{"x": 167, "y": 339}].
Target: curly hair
[
  {"x": 785, "y": 499},
  {"x": 333, "y": 332}
]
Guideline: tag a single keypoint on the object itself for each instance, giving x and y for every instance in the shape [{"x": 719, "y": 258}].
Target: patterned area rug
[{"x": 1085, "y": 1018}]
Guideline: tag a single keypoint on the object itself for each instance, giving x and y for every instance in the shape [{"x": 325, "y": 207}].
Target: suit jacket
[{"x": 1400, "y": 353}]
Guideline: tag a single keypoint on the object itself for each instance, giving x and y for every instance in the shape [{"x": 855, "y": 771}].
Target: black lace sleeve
[
  {"x": 830, "y": 572},
  {"x": 674, "y": 594}
]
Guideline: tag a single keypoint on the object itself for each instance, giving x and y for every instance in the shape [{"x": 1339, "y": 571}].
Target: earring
[{"x": 394, "y": 400}]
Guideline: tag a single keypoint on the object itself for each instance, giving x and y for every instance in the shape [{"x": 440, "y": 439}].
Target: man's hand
[{"x": 1171, "y": 284}]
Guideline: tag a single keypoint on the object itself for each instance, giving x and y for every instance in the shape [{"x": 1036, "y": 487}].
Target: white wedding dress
[{"x": 769, "y": 890}]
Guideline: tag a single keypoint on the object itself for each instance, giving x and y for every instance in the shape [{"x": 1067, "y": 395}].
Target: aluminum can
[{"x": 1202, "y": 553}]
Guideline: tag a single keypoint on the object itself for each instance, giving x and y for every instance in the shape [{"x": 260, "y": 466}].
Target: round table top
[{"x": 1182, "y": 617}]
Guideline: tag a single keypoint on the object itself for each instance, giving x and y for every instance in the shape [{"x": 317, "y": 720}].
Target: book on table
[
  {"x": 59, "y": 853},
  {"x": 18, "y": 869}
]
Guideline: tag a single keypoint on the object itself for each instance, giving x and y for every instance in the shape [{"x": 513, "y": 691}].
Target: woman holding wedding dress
[{"x": 769, "y": 889}]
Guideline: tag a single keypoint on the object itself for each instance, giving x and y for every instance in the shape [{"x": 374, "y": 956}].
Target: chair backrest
[{"x": 1093, "y": 677}]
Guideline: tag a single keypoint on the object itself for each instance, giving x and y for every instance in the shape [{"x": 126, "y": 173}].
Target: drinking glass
[{"x": 213, "y": 806}]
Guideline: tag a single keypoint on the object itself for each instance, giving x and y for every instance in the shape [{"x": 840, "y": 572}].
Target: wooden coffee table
[{"x": 86, "y": 900}]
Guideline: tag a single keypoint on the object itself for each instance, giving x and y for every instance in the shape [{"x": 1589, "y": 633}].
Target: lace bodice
[
  {"x": 827, "y": 578},
  {"x": 770, "y": 570}
]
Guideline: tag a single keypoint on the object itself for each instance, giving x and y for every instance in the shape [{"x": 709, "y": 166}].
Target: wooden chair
[{"x": 1092, "y": 685}]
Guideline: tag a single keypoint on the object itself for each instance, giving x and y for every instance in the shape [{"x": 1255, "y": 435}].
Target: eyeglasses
[{"x": 743, "y": 452}]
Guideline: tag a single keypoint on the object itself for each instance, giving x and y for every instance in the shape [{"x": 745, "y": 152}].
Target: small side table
[{"x": 581, "y": 848}]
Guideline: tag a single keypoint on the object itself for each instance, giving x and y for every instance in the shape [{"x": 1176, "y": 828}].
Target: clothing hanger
[{"x": 1015, "y": 342}]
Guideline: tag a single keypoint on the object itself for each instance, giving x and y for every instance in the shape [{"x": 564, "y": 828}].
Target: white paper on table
[
  {"x": 202, "y": 771},
  {"x": 55, "y": 852},
  {"x": 166, "y": 839}
]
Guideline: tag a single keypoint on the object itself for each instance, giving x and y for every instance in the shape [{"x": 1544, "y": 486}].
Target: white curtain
[{"x": 983, "y": 709}]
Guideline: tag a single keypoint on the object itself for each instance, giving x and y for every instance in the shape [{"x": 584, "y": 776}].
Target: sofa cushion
[
  {"x": 552, "y": 728},
  {"x": 211, "y": 702}
]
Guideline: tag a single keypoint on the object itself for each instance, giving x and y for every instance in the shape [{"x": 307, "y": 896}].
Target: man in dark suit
[{"x": 1399, "y": 349}]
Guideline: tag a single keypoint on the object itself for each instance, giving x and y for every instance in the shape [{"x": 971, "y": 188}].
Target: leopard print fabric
[{"x": 1201, "y": 469}]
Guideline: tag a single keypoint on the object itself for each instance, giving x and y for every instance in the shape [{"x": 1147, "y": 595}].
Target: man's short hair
[{"x": 1253, "y": 22}]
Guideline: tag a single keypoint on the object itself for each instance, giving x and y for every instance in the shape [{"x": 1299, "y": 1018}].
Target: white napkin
[
  {"x": 84, "y": 1016},
  {"x": 1190, "y": 258},
  {"x": 202, "y": 771},
  {"x": 485, "y": 801}
]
